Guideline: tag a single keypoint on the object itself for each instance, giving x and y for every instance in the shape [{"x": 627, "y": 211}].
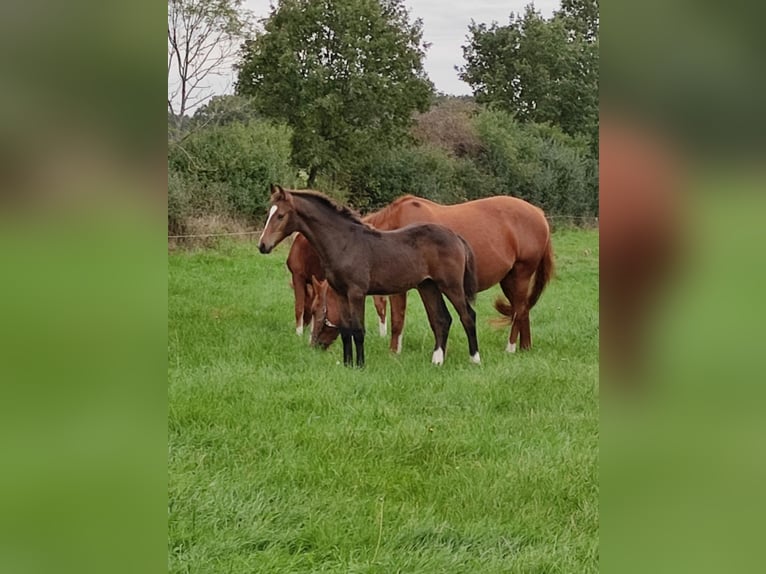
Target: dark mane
[{"x": 346, "y": 212}]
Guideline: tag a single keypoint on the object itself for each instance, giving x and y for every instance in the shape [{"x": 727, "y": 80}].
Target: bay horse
[
  {"x": 512, "y": 244},
  {"x": 359, "y": 260},
  {"x": 304, "y": 264}
]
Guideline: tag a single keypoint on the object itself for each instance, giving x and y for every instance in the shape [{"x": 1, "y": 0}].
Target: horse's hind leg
[
  {"x": 438, "y": 317},
  {"x": 467, "y": 315},
  {"x": 515, "y": 286},
  {"x": 398, "y": 308}
]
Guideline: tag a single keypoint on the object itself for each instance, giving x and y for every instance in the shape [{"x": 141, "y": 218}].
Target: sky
[{"x": 445, "y": 27}]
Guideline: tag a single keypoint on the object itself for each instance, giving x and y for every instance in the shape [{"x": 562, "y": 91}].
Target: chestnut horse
[
  {"x": 359, "y": 260},
  {"x": 303, "y": 263},
  {"x": 511, "y": 241}
]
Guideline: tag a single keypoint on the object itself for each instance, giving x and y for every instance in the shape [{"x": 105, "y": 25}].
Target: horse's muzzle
[{"x": 263, "y": 249}]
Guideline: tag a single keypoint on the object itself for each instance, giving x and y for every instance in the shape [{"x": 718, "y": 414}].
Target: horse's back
[{"x": 500, "y": 227}]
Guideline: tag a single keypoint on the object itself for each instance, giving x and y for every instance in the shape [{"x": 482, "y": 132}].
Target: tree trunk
[{"x": 312, "y": 176}]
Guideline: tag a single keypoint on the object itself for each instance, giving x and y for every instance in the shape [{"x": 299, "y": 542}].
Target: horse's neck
[{"x": 322, "y": 226}]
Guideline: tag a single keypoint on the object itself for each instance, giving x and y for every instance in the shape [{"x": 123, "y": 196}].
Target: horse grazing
[
  {"x": 511, "y": 241},
  {"x": 359, "y": 260},
  {"x": 304, "y": 264}
]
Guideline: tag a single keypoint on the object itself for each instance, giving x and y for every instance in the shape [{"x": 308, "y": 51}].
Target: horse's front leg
[
  {"x": 299, "y": 288},
  {"x": 380, "y": 309},
  {"x": 345, "y": 331},
  {"x": 398, "y": 308},
  {"x": 356, "y": 306}
]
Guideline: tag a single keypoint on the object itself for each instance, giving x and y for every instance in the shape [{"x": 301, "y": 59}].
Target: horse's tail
[
  {"x": 470, "y": 280},
  {"x": 543, "y": 274}
]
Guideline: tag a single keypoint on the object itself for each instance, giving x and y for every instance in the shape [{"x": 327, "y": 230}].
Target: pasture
[{"x": 282, "y": 460}]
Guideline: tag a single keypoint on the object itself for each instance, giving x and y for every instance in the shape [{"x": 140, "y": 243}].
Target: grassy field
[{"x": 282, "y": 460}]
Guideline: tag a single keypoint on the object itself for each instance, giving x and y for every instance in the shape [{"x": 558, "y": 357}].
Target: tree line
[{"x": 333, "y": 95}]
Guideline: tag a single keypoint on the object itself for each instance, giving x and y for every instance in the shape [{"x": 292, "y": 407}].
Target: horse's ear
[{"x": 277, "y": 192}]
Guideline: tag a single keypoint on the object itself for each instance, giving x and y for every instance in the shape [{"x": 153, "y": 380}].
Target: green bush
[
  {"x": 227, "y": 169},
  {"x": 421, "y": 170},
  {"x": 178, "y": 202},
  {"x": 538, "y": 163}
]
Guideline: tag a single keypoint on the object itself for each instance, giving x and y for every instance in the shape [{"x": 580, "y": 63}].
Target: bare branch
[{"x": 202, "y": 39}]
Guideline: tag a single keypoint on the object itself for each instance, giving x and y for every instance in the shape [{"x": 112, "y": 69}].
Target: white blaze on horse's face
[
  {"x": 272, "y": 211},
  {"x": 438, "y": 357}
]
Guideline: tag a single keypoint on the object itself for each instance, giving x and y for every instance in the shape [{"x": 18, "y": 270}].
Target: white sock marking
[
  {"x": 476, "y": 358},
  {"x": 299, "y": 327},
  {"x": 511, "y": 348},
  {"x": 382, "y": 327},
  {"x": 438, "y": 357},
  {"x": 399, "y": 344},
  {"x": 272, "y": 211}
]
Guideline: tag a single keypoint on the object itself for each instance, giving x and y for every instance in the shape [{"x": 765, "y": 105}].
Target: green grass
[{"x": 282, "y": 460}]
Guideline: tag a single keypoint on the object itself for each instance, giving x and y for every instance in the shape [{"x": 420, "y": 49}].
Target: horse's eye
[{"x": 280, "y": 216}]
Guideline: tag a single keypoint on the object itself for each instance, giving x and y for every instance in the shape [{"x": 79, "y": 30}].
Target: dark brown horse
[
  {"x": 511, "y": 241},
  {"x": 359, "y": 260},
  {"x": 304, "y": 264}
]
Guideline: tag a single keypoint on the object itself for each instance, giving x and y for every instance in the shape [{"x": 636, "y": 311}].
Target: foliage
[
  {"x": 224, "y": 109},
  {"x": 538, "y": 163},
  {"x": 423, "y": 170},
  {"x": 448, "y": 125},
  {"x": 345, "y": 75},
  {"x": 228, "y": 168},
  {"x": 280, "y": 460},
  {"x": 541, "y": 70}
]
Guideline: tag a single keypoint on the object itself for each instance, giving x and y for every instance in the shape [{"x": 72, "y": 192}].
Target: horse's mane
[{"x": 346, "y": 212}]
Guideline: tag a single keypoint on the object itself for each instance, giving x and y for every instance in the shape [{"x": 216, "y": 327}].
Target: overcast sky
[{"x": 445, "y": 26}]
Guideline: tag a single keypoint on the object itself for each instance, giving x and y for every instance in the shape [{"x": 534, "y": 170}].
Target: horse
[
  {"x": 510, "y": 238},
  {"x": 304, "y": 264},
  {"x": 359, "y": 260}
]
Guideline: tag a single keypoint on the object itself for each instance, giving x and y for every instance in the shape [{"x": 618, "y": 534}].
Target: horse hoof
[
  {"x": 438, "y": 357},
  {"x": 476, "y": 358},
  {"x": 511, "y": 348}
]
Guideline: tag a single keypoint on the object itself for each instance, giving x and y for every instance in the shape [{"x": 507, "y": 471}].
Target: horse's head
[
  {"x": 325, "y": 314},
  {"x": 281, "y": 219}
]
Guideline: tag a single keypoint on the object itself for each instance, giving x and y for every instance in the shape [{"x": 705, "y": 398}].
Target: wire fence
[
  {"x": 190, "y": 235},
  {"x": 588, "y": 219}
]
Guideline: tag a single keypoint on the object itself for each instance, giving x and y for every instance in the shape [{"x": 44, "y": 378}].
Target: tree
[
  {"x": 203, "y": 37},
  {"x": 224, "y": 109},
  {"x": 346, "y": 75},
  {"x": 540, "y": 70}
]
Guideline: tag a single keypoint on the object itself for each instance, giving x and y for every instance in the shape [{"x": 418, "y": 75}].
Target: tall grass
[{"x": 282, "y": 460}]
